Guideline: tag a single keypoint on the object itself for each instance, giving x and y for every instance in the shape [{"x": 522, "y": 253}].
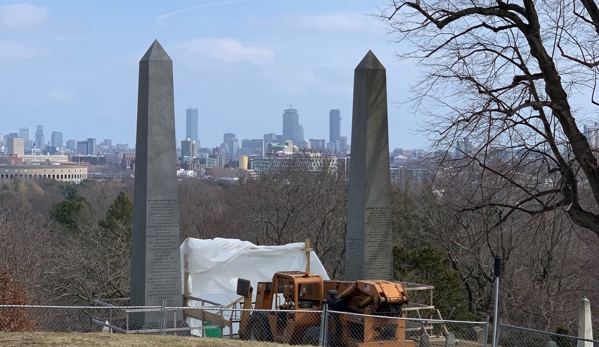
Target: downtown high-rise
[
  {"x": 334, "y": 125},
  {"x": 40, "y": 140},
  {"x": 24, "y": 133},
  {"x": 56, "y": 139},
  {"x": 191, "y": 125},
  {"x": 291, "y": 126}
]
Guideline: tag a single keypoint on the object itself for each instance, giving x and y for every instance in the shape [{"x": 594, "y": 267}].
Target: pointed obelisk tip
[
  {"x": 156, "y": 52},
  {"x": 370, "y": 62}
]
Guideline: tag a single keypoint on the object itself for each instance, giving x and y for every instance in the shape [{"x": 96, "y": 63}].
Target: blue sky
[{"x": 73, "y": 65}]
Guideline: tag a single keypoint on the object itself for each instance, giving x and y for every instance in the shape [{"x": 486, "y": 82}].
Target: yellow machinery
[{"x": 295, "y": 298}]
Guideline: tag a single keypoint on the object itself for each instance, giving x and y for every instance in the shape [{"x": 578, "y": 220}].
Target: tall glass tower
[
  {"x": 40, "y": 141},
  {"x": 191, "y": 125},
  {"x": 291, "y": 129},
  {"x": 334, "y": 125}
]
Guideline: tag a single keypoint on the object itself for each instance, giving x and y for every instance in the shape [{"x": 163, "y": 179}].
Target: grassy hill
[{"x": 118, "y": 340}]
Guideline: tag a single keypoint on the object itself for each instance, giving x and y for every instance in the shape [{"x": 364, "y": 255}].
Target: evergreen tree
[
  {"x": 66, "y": 211},
  {"x": 428, "y": 266},
  {"x": 119, "y": 214}
]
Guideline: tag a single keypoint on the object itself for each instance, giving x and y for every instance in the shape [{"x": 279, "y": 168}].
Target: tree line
[{"x": 70, "y": 244}]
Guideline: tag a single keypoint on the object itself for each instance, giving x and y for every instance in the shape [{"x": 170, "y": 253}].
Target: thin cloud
[
  {"x": 14, "y": 51},
  {"x": 59, "y": 95},
  {"x": 228, "y": 50},
  {"x": 214, "y": 4},
  {"x": 21, "y": 16},
  {"x": 68, "y": 38},
  {"x": 327, "y": 23}
]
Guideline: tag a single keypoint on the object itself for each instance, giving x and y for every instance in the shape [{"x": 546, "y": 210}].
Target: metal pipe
[
  {"x": 322, "y": 340},
  {"x": 366, "y": 301},
  {"x": 486, "y": 332},
  {"x": 497, "y": 272},
  {"x": 495, "y": 311},
  {"x": 347, "y": 292}
]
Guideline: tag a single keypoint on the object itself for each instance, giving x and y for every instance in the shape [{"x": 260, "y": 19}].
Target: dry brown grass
[{"x": 118, "y": 340}]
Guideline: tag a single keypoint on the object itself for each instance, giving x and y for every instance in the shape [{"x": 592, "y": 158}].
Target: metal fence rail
[
  {"x": 514, "y": 336},
  {"x": 311, "y": 327}
]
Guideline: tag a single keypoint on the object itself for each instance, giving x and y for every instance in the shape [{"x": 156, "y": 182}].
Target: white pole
[{"x": 496, "y": 308}]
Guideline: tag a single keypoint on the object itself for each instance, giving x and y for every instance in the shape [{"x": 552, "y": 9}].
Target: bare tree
[
  {"x": 547, "y": 258},
  {"x": 504, "y": 76},
  {"x": 201, "y": 209},
  {"x": 290, "y": 205}
]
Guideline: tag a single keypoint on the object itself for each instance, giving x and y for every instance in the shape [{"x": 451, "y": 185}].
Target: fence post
[
  {"x": 486, "y": 332},
  {"x": 496, "y": 308},
  {"x": 162, "y": 316},
  {"x": 322, "y": 341}
]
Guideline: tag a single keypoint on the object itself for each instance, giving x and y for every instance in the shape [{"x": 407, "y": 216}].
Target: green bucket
[{"x": 211, "y": 332}]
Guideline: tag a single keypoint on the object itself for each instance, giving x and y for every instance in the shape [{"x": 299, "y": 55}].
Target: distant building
[
  {"x": 25, "y": 134},
  {"x": 312, "y": 162},
  {"x": 45, "y": 158},
  {"x": 342, "y": 144},
  {"x": 256, "y": 146},
  {"x": 63, "y": 173},
  {"x": 56, "y": 139},
  {"x": 128, "y": 161},
  {"x": 16, "y": 146},
  {"x": 591, "y": 132},
  {"x": 291, "y": 126},
  {"x": 463, "y": 147},
  {"x": 232, "y": 143},
  {"x": 334, "y": 125},
  {"x": 40, "y": 140},
  {"x": 318, "y": 144},
  {"x": 90, "y": 159},
  {"x": 87, "y": 147},
  {"x": 72, "y": 145},
  {"x": 191, "y": 125},
  {"x": 406, "y": 176},
  {"x": 189, "y": 148},
  {"x": 268, "y": 139}
]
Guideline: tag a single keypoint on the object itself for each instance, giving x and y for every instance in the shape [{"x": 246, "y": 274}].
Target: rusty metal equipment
[{"x": 295, "y": 300}]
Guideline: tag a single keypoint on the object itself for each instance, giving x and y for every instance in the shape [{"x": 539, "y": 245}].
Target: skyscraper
[
  {"x": 335, "y": 131},
  {"x": 291, "y": 129},
  {"x": 191, "y": 125},
  {"x": 40, "y": 140},
  {"x": 56, "y": 139},
  {"x": 72, "y": 145},
  {"x": 87, "y": 147},
  {"x": 16, "y": 145},
  {"x": 24, "y": 133},
  {"x": 232, "y": 143},
  {"x": 188, "y": 148}
]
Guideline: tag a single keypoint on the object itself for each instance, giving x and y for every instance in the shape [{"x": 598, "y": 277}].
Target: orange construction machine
[{"x": 295, "y": 301}]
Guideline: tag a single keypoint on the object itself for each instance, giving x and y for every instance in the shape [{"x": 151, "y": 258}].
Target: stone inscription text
[
  {"x": 377, "y": 236},
  {"x": 162, "y": 263}
]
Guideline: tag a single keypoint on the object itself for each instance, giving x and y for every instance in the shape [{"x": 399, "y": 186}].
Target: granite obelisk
[
  {"x": 155, "y": 256},
  {"x": 368, "y": 246}
]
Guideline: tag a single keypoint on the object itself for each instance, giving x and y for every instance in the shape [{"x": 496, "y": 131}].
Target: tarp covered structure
[{"x": 215, "y": 265}]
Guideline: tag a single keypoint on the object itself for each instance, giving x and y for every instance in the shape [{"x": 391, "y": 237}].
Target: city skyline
[
  {"x": 72, "y": 65},
  {"x": 290, "y": 129}
]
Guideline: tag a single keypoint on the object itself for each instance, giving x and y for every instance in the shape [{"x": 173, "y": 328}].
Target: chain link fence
[
  {"x": 299, "y": 326},
  {"x": 513, "y": 336}
]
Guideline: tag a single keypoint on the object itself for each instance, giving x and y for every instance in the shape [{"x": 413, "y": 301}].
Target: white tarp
[{"x": 215, "y": 265}]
